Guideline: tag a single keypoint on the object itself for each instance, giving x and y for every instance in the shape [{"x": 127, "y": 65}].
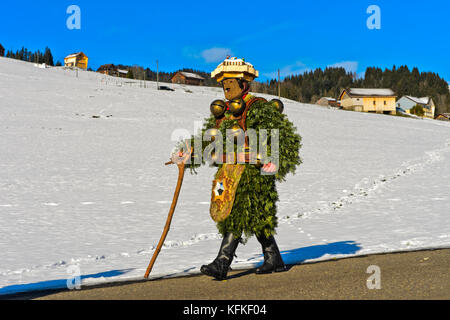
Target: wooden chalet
[
  {"x": 112, "y": 70},
  {"x": 406, "y": 103},
  {"x": 182, "y": 77},
  {"x": 79, "y": 60},
  {"x": 369, "y": 100}
]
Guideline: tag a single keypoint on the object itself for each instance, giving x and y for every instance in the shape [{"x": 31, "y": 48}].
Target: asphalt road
[{"x": 409, "y": 275}]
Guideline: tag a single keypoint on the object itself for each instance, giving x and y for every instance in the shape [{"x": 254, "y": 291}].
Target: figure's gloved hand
[
  {"x": 269, "y": 168},
  {"x": 182, "y": 156}
]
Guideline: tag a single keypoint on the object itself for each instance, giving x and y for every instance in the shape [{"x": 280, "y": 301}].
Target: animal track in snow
[{"x": 363, "y": 189}]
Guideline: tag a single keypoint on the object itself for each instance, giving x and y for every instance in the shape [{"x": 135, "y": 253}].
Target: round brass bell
[
  {"x": 278, "y": 104},
  {"x": 218, "y": 108},
  {"x": 237, "y": 106}
]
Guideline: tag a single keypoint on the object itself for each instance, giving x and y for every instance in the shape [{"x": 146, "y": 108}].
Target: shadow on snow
[
  {"x": 299, "y": 255},
  {"x": 290, "y": 257},
  {"x": 56, "y": 284}
]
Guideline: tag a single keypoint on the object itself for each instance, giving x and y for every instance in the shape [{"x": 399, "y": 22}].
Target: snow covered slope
[{"x": 83, "y": 186}]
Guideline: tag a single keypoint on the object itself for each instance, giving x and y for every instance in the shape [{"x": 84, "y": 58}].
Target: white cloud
[
  {"x": 215, "y": 54},
  {"x": 349, "y": 66}
]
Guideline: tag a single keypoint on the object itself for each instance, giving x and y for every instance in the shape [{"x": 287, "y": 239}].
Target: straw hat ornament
[{"x": 235, "y": 68}]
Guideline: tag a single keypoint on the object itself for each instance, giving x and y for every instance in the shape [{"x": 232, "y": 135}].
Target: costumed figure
[{"x": 244, "y": 194}]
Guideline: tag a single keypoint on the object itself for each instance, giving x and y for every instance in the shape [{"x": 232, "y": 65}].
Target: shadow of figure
[
  {"x": 297, "y": 256},
  {"x": 38, "y": 289}
]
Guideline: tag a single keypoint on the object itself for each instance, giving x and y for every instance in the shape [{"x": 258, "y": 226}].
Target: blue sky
[{"x": 293, "y": 36}]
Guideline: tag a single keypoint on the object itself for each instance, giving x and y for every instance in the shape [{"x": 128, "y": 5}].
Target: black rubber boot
[
  {"x": 273, "y": 262},
  {"x": 219, "y": 267}
]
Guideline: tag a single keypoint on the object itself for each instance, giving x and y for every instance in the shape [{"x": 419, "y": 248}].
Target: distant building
[
  {"x": 112, "y": 70},
  {"x": 79, "y": 60},
  {"x": 406, "y": 103},
  {"x": 368, "y": 100},
  {"x": 122, "y": 73},
  {"x": 328, "y": 102},
  {"x": 182, "y": 77},
  {"x": 108, "y": 69},
  {"x": 2, "y": 51},
  {"x": 443, "y": 117}
]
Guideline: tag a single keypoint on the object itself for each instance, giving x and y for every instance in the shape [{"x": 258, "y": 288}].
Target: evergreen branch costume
[{"x": 253, "y": 207}]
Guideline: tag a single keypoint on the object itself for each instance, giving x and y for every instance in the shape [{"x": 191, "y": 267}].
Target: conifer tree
[{"x": 48, "y": 58}]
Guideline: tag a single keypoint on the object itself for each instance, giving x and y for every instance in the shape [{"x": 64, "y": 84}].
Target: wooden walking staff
[{"x": 180, "y": 162}]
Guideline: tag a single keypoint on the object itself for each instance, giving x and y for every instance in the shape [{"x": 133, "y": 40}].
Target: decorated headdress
[{"x": 235, "y": 68}]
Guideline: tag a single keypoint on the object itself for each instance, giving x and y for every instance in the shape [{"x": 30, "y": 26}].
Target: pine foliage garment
[{"x": 254, "y": 210}]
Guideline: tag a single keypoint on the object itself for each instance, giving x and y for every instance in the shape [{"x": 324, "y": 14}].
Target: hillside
[{"x": 83, "y": 181}]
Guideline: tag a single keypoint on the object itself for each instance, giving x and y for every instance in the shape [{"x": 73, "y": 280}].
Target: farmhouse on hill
[
  {"x": 368, "y": 100},
  {"x": 79, "y": 60},
  {"x": 112, "y": 70},
  {"x": 182, "y": 77},
  {"x": 406, "y": 103}
]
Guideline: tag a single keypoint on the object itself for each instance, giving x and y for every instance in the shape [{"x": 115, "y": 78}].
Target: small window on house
[
  {"x": 385, "y": 102},
  {"x": 374, "y": 102}
]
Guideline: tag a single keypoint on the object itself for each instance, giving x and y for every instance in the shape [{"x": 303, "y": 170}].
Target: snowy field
[{"x": 83, "y": 184}]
